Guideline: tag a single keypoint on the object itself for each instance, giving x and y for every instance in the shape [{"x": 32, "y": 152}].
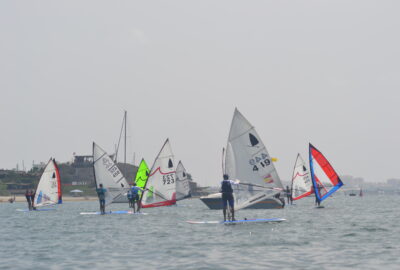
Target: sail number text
[
  {"x": 168, "y": 179},
  {"x": 262, "y": 161}
]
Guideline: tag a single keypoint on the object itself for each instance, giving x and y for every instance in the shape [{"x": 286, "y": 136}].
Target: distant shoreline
[{"x": 4, "y": 199}]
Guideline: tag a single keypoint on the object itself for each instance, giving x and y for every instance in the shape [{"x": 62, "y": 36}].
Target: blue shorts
[{"x": 227, "y": 198}]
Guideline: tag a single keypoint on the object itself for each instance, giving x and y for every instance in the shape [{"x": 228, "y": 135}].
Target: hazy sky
[{"x": 326, "y": 72}]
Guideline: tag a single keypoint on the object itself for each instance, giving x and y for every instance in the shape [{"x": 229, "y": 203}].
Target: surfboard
[
  {"x": 114, "y": 213},
  {"x": 260, "y": 220},
  {"x": 43, "y": 209},
  {"x": 319, "y": 207}
]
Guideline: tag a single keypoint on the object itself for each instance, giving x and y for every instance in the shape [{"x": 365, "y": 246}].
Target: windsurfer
[
  {"x": 135, "y": 196},
  {"x": 28, "y": 199},
  {"x": 227, "y": 196},
  {"x": 289, "y": 195},
  {"x": 32, "y": 194},
  {"x": 101, "y": 193}
]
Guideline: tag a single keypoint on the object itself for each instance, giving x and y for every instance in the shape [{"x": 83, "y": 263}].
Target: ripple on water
[{"x": 345, "y": 234}]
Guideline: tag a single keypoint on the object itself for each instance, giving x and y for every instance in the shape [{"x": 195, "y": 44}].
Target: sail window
[{"x": 253, "y": 140}]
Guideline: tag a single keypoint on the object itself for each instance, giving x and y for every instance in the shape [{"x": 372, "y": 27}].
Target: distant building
[
  {"x": 82, "y": 161},
  {"x": 393, "y": 182}
]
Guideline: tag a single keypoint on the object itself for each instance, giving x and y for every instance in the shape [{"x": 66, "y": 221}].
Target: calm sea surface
[{"x": 350, "y": 232}]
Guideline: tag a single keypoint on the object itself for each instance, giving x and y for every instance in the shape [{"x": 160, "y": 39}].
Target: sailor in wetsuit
[
  {"x": 135, "y": 196},
  {"x": 32, "y": 193},
  {"x": 28, "y": 199},
  {"x": 101, "y": 193},
  {"x": 227, "y": 195}
]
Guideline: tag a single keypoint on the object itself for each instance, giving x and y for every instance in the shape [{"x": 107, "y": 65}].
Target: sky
[{"x": 325, "y": 72}]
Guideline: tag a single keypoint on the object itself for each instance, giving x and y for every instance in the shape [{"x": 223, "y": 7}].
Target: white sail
[
  {"x": 107, "y": 173},
  {"x": 248, "y": 160},
  {"x": 161, "y": 181},
  {"x": 48, "y": 191},
  {"x": 301, "y": 180},
  {"x": 182, "y": 182}
]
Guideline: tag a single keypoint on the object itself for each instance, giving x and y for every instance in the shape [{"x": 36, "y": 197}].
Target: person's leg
[
  {"x": 103, "y": 206},
  {"x": 231, "y": 204}
]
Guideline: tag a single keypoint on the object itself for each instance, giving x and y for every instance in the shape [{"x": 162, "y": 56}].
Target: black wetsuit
[{"x": 28, "y": 199}]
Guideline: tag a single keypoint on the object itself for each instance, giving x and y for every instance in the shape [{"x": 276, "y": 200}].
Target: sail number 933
[
  {"x": 168, "y": 179},
  {"x": 262, "y": 161}
]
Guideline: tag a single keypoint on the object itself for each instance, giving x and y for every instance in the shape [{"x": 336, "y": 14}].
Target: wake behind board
[
  {"x": 114, "y": 213},
  {"x": 43, "y": 209},
  {"x": 260, "y": 220}
]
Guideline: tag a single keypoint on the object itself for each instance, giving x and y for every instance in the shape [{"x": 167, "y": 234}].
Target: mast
[{"x": 125, "y": 115}]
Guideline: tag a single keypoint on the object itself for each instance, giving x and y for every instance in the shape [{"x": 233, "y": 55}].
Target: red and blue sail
[{"x": 324, "y": 178}]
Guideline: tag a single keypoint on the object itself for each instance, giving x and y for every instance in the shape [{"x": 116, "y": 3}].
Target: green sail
[{"x": 142, "y": 175}]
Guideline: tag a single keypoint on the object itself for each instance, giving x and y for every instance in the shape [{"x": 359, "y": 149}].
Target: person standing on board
[
  {"x": 28, "y": 199},
  {"x": 130, "y": 198},
  {"x": 227, "y": 195},
  {"x": 101, "y": 193},
  {"x": 289, "y": 195},
  {"x": 32, "y": 194},
  {"x": 135, "y": 196}
]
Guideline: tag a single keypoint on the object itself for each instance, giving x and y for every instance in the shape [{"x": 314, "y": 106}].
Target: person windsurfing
[
  {"x": 28, "y": 199},
  {"x": 135, "y": 196},
  {"x": 101, "y": 193},
  {"x": 227, "y": 196}
]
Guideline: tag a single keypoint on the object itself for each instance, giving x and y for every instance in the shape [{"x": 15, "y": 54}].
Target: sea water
[{"x": 349, "y": 233}]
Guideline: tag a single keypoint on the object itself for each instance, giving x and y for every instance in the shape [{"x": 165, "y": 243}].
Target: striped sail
[
  {"x": 324, "y": 178},
  {"x": 161, "y": 180},
  {"x": 48, "y": 191},
  {"x": 107, "y": 173},
  {"x": 301, "y": 181}
]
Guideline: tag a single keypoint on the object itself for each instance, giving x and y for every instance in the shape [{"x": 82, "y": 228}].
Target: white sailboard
[
  {"x": 161, "y": 181},
  {"x": 121, "y": 212},
  {"x": 243, "y": 221},
  {"x": 301, "y": 180},
  {"x": 248, "y": 161},
  {"x": 107, "y": 173},
  {"x": 182, "y": 182}
]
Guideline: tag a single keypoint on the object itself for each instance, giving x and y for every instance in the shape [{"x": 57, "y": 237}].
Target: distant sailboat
[
  {"x": 182, "y": 183},
  {"x": 324, "y": 178},
  {"x": 161, "y": 179},
  {"x": 247, "y": 160},
  {"x": 301, "y": 182},
  {"x": 48, "y": 191},
  {"x": 107, "y": 173}
]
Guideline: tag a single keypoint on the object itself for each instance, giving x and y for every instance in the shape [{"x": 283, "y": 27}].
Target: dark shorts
[
  {"x": 135, "y": 198},
  {"x": 102, "y": 201},
  {"x": 227, "y": 198}
]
